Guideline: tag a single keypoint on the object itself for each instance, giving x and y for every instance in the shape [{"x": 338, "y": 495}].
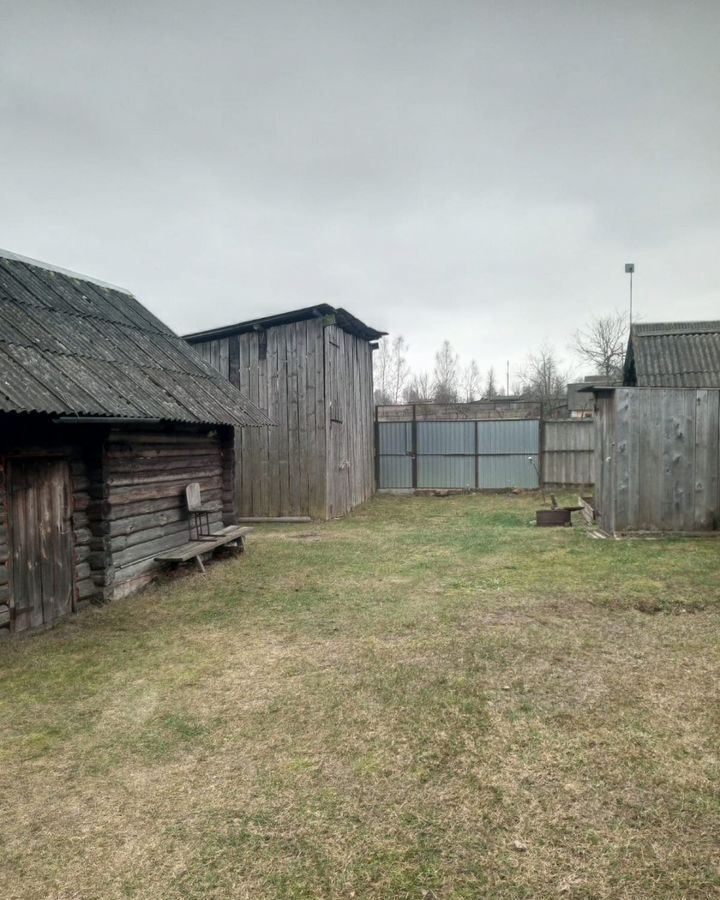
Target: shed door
[{"x": 42, "y": 542}]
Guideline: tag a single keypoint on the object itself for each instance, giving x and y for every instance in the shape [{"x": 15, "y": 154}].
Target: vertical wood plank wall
[
  {"x": 350, "y": 428},
  {"x": 80, "y": 459},
  {"x": 309, "y": 464},
  {"x": 604, "y": 465},
  {"x": 567, "y": 452},
  {"x": 658, "y": 459}
]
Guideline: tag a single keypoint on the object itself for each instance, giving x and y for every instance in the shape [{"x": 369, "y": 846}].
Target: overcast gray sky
[{"x": 477, "y": 171}]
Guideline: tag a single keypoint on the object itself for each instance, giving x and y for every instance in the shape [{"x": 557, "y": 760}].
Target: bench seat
[{"x": 195, "y": 549}]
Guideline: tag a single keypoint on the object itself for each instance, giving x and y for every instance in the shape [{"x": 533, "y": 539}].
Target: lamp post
[{"x": 629, "y": 270}]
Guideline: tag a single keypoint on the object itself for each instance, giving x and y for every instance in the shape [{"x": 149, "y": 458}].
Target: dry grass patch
[{"x": 432, "y": 699}]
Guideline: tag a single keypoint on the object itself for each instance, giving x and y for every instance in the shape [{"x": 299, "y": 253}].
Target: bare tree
[
  {"x": 544, "y": 379},
  {"x": 390, "y": 370},
  {"x": 381, "y": 371},
  {"x": 603, "y": 342},
  {"x": 490, "y": 391},
  {"x": 470, "y": 382},
  {"x": 399, "y": 369},
  {"x": 445, "y": 375},
  {"x": 419, "y": 389}
]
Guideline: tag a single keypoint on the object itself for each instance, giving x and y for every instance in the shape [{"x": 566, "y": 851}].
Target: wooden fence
[{"x": 567, "y": 452}]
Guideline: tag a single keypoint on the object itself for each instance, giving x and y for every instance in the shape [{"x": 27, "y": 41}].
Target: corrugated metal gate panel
[
  {"x": 440, "y": 438},
  {"x": 505, "y": 451},
  {"x": 509, "y": 437},
  {"x": 507, "y": 471},
  {"x": 395, "y": 472},
  {"x": 446, "y": 471},
  {"x": 395, "y": 460},
  {"x": 395, "y": 438},
  {"x": 460, "y": 454}
]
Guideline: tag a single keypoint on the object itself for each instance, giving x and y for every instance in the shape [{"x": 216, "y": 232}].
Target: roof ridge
[
  {"x": 346, "y": 320},
  {"x": 701, "y": 326},
  {"x": 50, "y": 267}
]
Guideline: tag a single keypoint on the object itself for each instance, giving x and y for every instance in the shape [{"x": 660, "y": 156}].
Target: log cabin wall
[
  {"x": 127, "y": 498},
  {"x": 314, "y": 380},
  {"x": 146, "y": 473}
]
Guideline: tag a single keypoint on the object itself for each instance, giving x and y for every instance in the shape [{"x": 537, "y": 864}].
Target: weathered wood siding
[
  {"x": 308, "y": 464},
  {"x": 28, "y": 438},
  {"x": 349, "y": 421},
  {"x": 144, "y": 508},
  {"x": 604, "y": 495},
  {"x": 658, "y": 459},
  {"x": 279, "y": 471},
  {"x": 567, "y": 452},
  {"x": 127, "y": 497},
  {"x": 4, "y": 554}
]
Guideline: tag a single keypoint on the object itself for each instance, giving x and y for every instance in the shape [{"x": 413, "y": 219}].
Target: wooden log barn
[
  {"x": 105, "y": 417},
  {"x": 310, "y": 370}
]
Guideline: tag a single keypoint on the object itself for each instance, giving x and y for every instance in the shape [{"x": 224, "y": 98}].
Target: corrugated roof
[
  {"x": 674, "y": 354},
  {"x": 343, "y": 319},
  {"x": 70, "y": 345}
]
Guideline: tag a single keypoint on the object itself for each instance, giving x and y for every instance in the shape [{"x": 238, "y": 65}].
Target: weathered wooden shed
[
  {"x": 673, "y": 354},
  {"x": 657, "y": 438},
  {"x": 657, "y": 459},
  {"x": 311, "y": 371},
  {"x": 105, "y": 417}
]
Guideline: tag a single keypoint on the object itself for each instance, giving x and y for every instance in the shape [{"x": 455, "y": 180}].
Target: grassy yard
[{"x": 430, "y": 699}]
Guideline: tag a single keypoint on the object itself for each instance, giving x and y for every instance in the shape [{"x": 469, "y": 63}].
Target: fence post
[
  {"x": 477, "y": 456},
  {"x": 413, "y": 434},
  {"x": 377, "y": 449}
]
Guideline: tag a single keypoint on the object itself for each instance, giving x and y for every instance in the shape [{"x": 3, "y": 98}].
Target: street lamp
[{"x": 630, "y": 270}]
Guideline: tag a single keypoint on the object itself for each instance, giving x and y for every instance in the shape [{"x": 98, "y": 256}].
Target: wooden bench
[{"x": 196, "y": 549}]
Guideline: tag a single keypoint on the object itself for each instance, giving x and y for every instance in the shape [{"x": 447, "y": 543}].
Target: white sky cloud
[{"x": 475, "y": 171}]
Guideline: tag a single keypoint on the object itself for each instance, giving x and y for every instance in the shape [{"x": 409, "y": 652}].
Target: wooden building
[
  {"x": 657, "y": 459},
  {"x": 310, "y": 370},
  {"x": 657, "y": 437},
  {"x": 673, "y": 355},
  {"x": 105, "y": 417}
]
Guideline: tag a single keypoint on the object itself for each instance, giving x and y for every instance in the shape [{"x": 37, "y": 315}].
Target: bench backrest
[{"x": 192, "y": 496}]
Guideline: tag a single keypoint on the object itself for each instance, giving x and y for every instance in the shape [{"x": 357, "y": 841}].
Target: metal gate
[
  {"x": 395, "y": 461},
  {"x": 465, "y": 455}
]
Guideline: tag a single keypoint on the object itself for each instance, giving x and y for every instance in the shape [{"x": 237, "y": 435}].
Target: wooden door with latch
[{"x": 41, "y": 535}]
